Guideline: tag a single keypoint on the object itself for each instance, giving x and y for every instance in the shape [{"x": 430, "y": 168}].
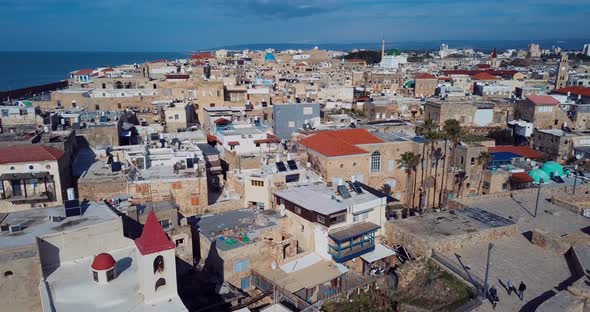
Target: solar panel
[
  {"x": 292, "y": 164},
  {"x": 72, "y": 208},
  {"x": 281, "y": 166},
  {"x": 343, "y": 192},
  {"x": 357, "y": 187}
]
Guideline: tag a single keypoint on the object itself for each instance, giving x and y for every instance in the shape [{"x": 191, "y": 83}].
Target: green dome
[
  {"x": 552, "y": 168},
  {"x": 538, "y": 174},
  {"x": 393, "y": 52}
]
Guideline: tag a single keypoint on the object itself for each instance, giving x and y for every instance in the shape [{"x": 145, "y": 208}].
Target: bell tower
[
  {"x": 156, "y": 262},
  {"x": 494, "y": 59},
  {"x": 562, "y": 72}
]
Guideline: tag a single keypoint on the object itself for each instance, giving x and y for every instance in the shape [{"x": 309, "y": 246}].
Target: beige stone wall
[
  {"x": 20, "y": 291},
  {"x": 56, "y": 183},
  {"x": 106, "y": 136},
  {"x": 425, "y": 87}
]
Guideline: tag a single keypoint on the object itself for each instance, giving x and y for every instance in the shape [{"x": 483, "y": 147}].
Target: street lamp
[
  {"x": 578, "y": 157},
  {"x": 488, "y": 263},
  {"x": 541, "y": 181}
]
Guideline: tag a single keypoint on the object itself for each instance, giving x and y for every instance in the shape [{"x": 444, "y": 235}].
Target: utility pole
[
  {"x": 488, "y": 263},
  {"x": 541, "y": 181},
  {"x": 575, "y": 179}
]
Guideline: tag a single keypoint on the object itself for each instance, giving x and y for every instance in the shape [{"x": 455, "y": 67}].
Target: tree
[
  {"x": 483, "y": 160},
  {"x": 445, "y": 155},
  {"x": 409, "y": 162},
  {"x": 453, "y": 131},
  {"x": 430, "y": 133},
  {"x": 460, "y": 178}
]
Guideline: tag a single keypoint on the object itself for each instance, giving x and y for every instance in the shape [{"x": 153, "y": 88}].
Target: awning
[
  {"x": 233, "y": 143},
  {"x": 222, "y": 122},
  {"x": 521, "y": 177},
  {"x": 380, "y": 252},
  {"x": 353, "y": 231},
  {"x": 24, "y": 175}
]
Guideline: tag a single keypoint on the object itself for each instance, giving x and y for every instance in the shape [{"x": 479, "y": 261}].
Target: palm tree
[
  {"x": 453, "y": 132},
  {"x": 460, "y": 178},
  {"x": 431, "y": 134},
  {"x": 483, "y": 160},
  {"x": 437, "y": 154},
  {"x": 445, "y": 155},
  {"x": 409, "y": 161}
]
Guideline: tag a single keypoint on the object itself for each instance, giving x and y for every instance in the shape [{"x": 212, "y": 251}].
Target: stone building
[
  {"x": 562, "y": 72},
  {"x": 425, "y": 85},
  {"x": 543, "y": 111}
]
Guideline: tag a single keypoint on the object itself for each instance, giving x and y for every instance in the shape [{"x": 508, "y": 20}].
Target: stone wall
[{"x": 549, "y": 241}]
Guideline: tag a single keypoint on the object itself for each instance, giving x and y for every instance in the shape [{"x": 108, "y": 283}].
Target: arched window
[
  {"x": 159, "y": 283},
  {"x": 376, "y": 162},
  {"x": 159, "y": 264}
]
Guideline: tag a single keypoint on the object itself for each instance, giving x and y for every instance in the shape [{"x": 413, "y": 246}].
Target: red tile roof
[
  {"x": 523, "y": 151},
  {"x": 425, "y": 76},
  {"x": 542, "y": 100},
  {"x": 153, "y": 239},
  {"x": 340, "y": 142},
  {"x": 576, "y": 90},
  {"x": 222, "y": 121},
  {"x": 521, "y": 177},
  {"x": 201, "y": 56},
  {"x": 29, "y": 153},
  {"x": 483, "y": 76},
  {"x": 269, "y": 139},
  {"x": 83, "y": 72}
]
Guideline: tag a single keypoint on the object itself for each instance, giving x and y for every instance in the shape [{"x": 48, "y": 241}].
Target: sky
[{"x": 190, "y": 25}]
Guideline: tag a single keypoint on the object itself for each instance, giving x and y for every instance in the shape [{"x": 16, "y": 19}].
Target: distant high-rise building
[
  {"x": 562, "y": 72},
  {"x": 534, "y": 50},
  {"x": 587, "y": 49}
]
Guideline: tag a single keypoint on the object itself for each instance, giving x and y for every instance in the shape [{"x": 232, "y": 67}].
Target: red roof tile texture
[
  {"x": 83, "y": 72},
  {"x": 521, "y": 177},
  {"x": 425, "y": 76},
  {"x": 29, "y": 153},
  {"x": 484, "y": 76},
  {"x": 153, "y": 239},
  {"x": 576, "y": 90},
  {"x": 340, "y": 142},
  {"x": 523, "y": 151},
  {"x": 543, "y": 100}
]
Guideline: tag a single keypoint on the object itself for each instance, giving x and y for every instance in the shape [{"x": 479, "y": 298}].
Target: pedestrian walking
[
  {"x": 510, "y": 287},
  {"x": 521, "y": 289},
  {"x": 493, "y": 296}
]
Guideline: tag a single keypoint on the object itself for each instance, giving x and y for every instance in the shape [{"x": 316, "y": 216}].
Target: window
[
  {"x": 180, "y": 242},
  {"x": 486, "y": 185},
  {"x": 291, "y": 124},
  {"x": 23, "y": 112},
  {"x": 160, "y": 283},
  {"x": 307, "y": 110},
  {"x": 58, "y": 103},
  {"x": 159, "y": 264},
  {"x": 241, "y": 266},
  {"x": 245, "y": 283},
  {"x": 31, "y": 167},
  {"x": 376, "y": 162},
  {"x": 321, "y": 219},
  {"x": 298, "y": 210},
  {"x": 119, "y": 105},
  {"x": 4, "y": 113},
  {"x": 110, "y": 275},
  {"x": 95, "y": 276},
  {"x": 472, "y": 160},
  {"x": 257, "y": 183},
  {"x": 176, "y": 117},
  {"x": 338, "y": 218},
  {"x": 47, "y": 166},
  {"x": 97, "y": 107},
  {"x": 165, "y": 223}
]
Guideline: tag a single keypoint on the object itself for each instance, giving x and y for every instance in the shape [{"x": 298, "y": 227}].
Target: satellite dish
[
  {"x": 533, "y": 163},
  {"x": 308, "y": 165},
  {"x": 273, "y": 265},
  {"x": 282, "y": 211}
]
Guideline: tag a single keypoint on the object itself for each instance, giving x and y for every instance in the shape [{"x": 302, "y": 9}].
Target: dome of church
[
  {"x": 538, "y": 174},
  {"x": 103, "y": 261},
  {"x": 393, "y": 52},
  {"x": 269, "y": 57}
]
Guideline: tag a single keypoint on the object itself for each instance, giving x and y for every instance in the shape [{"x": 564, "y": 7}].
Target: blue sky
[{"x": 186, "y": 25}]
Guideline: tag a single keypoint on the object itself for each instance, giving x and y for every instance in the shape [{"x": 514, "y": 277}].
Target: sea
[{"x": 26, "y": 69}]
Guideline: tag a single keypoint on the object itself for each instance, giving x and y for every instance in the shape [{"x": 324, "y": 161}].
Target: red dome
[{"x": 103, "y": 261}]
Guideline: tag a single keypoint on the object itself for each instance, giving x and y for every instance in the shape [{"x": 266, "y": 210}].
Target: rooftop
[
  {"x": 235, "y": 228},
  {"x": 540, "y": 100},
  {"x": 36, "y": 222},
  {"x": 340, "y": 142},
  {"x": 29, "y": 153}
]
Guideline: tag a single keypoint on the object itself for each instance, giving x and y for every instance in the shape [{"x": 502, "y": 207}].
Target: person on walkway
[
  {"x": 521, "y": 289},
  {"x": 493, "y": 296},
  {"x": 510, "y": 287}
]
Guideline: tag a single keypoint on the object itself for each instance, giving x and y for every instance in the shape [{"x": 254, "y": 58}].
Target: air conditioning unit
[
  {"x": 15, "y": 228},
  {"x": 55, "y": 218}
]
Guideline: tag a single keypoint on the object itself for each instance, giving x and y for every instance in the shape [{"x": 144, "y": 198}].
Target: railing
[{"x": 264, "y": 284}]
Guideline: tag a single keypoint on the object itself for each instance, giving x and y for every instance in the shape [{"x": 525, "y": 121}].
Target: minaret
[
  {"x": 382, "y": 48},
  {"x": 562, "y": 72},
  {"x": 494, "y": 59}
]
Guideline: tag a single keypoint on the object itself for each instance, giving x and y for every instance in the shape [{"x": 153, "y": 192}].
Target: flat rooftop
[
  {"x": 36, "y": 222},
  {"x": 444, "y": 224},
  {"x": 326, "y": 200},
  {"x": 236, "y": 228},
  {"x": 72, "y": 288}
]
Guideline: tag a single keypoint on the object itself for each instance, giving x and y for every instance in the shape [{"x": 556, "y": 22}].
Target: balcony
[{"x": 352, "y": 241}]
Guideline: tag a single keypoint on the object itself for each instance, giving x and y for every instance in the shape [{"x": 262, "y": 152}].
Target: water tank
[{"x": 71, "y": 193}]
